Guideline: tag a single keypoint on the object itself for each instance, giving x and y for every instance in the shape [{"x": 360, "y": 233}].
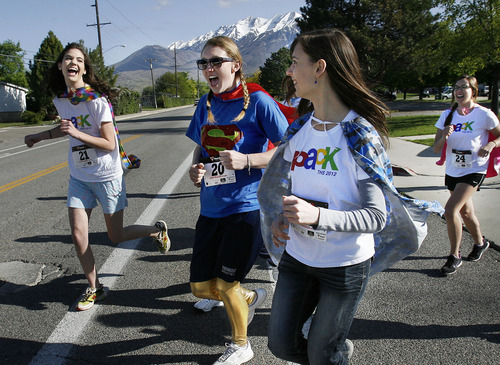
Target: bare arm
[
  {"x": 441, "y": 137},
  {"x": 105, "y": 142},
  {"x": 234, "y": 160},
  {"x": 485, "y": 150},
  {"x": 31, "y": 139}
]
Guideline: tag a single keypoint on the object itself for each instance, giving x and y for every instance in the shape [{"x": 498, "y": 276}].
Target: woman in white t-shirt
[
  {"x": 96, "y": 173},
  {"x": 335, "y": 207},
  {"x": 464, "y": 129}
]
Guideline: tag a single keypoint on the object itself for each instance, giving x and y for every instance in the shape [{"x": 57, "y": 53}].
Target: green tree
[
  {"x": 105, "y": 73},
  {"x": 47, "y": 54},
  {"x": 400, "y": 33},
  {"x": 274, "y": 70},
  {"x": 389, "y": 36},
  {"x": 350, "y": 16},
  {"x": 11, "y": 64},
  {"x": 476, "y": 24},
  {"x": 185, "y": 88}
]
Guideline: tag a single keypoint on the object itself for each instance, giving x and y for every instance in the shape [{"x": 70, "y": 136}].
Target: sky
[{"x": 134, "y": 23}]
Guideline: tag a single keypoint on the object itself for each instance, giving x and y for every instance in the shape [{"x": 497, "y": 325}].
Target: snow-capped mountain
[
  {"x": 257, "y": 39},
  {"x": 243, "y": 28}
]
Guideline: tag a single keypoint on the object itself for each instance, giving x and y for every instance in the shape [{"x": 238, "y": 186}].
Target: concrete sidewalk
[{"x": 417, "y": 175}]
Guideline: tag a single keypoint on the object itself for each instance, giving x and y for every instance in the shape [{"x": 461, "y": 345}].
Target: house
[{"x": 12, "y": 102}]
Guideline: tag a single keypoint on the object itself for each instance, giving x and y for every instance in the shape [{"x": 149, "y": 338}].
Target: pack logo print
[{"x": 315, "y": 158}]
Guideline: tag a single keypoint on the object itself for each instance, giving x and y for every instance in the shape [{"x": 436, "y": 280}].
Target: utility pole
[
  {"x": 152, "y": 79},
  {"x": 98, "y": 25},
  {"x": 175, "y": 68}
]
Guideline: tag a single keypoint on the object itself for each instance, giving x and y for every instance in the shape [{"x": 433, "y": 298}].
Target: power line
[
  {"x": 25, "y": 58},
  {"x": 135, "y": 26}
]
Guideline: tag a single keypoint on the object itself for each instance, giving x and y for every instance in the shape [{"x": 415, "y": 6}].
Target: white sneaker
[
  {"x": 350, "y": 348},
  {"x": 260, "y": 296},
  {"x": 206, "y": 305},
  {"x": 235, "y": 355}
]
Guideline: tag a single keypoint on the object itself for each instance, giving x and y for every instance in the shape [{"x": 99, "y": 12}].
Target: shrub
[
  {"x": 30, "y": 117},
  {"x": 127, "y": 102}
]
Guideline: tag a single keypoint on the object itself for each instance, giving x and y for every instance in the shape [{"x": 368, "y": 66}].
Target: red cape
[
  {"x": 493, "y": 163},
  {"x": 289, "y": 112}
]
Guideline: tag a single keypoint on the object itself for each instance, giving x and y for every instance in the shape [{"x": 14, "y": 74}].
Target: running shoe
[
  {"x": 260, "y": 296},
  {"x": 477, "y": 251},
  {"x": 91, "y": 296},
  {"x": 349, "y": 348},
  {"x": 206, "y": 305},
  {"x": 162, "y": 241},
  {"x": 235, "y": 355},
  {"x": 451, "y": 266}
]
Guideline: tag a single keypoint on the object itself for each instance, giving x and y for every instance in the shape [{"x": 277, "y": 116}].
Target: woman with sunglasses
[
  {"x": 462, "y": 137},
  {"x": 231, "y": 127}
]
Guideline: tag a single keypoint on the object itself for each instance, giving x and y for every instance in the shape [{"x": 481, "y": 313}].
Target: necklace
[{"x": 326, "y": 124}]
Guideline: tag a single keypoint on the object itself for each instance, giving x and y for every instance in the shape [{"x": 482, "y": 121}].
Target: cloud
[
  {"x": 161, "y": 4},
  {"x": 229, "y": 3}
]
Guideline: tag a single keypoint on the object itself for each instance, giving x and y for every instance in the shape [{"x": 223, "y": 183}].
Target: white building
[{"x": 12, "y": 102}]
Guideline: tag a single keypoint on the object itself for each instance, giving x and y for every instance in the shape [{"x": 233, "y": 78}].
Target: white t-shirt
[
  {"x": 324, "y": 170},
  {"x": 470, "y": 134},
  {"x": 87, "y": 163}
]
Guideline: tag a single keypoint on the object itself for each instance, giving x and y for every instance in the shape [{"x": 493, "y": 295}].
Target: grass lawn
[{"x": 411, "y": 125}]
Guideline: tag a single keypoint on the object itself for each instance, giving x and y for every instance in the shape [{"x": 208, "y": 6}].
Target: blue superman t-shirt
[{"x": 263, "y": 121}]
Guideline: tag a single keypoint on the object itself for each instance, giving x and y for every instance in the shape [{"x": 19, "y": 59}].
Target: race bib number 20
[{"x": 217, "y": 174}]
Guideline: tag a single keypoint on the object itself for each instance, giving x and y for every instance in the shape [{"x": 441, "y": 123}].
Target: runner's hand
[
  {"x": 196, "y": 173},
  {"x": 233, "y": 160}
]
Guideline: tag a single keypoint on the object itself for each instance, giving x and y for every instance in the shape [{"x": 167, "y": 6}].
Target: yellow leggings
[{"x": 236, "y": 300}]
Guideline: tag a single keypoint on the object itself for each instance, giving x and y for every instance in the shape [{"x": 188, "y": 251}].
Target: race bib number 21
[{"x": 83, "y": 156}]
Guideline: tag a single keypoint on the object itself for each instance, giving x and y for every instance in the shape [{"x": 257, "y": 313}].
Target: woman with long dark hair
[
  {"x": 325, "y": 198},
  {"x": 94, "y": 159}
]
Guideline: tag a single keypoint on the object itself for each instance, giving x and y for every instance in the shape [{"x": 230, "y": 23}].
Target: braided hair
[{"x": 230, "y": 47}]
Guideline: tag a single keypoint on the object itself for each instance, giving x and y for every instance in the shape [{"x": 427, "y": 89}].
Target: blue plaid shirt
[{"x": 406, "y": 226}]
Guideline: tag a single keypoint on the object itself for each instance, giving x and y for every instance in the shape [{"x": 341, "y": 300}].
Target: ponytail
[{"x": 449, "y": 117}]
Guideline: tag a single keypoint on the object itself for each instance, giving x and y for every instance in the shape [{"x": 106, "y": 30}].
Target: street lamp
[{"x": 119, "y": 45}]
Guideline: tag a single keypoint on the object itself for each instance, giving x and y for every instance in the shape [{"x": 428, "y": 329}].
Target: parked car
[
  {"x": 483, "y": 90},
  {"x": 446, "y": 93},
  {"x": 386, "y": 95}
]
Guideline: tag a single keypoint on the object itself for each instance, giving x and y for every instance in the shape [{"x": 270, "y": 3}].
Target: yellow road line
[{"x": 38, "y": 174}]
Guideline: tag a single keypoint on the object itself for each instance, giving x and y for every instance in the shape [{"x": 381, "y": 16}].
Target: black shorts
[
  {"x": 225, "y": 247},
  {"x": 471, "y": 179}
]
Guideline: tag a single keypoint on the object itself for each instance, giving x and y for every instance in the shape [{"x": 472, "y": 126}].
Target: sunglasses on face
[{"x": 215, "y": 62}]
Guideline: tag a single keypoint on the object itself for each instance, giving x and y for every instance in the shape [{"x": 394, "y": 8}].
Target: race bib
[
  {"x": 308, "y": 231},
  {"x": 84, "y": 156},
  {"x": 462, "y": 159},
  {"x": 315, "y": 234},
  {"x": 217, "y": 174}
]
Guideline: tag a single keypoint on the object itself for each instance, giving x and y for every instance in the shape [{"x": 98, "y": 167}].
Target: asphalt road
[{"x": 409, "y": 315}]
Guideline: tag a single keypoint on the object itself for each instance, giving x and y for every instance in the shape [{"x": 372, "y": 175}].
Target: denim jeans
[{"x": 334, "y": 293}]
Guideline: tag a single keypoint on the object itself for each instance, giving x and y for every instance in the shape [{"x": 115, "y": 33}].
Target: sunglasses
[{"x": 215, "y": 62}]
